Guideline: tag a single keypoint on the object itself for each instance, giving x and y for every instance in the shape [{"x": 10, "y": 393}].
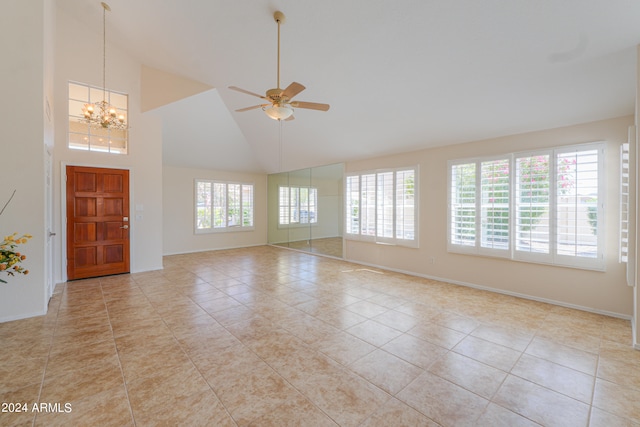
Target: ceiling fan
[{"x": 279, "y": 103}]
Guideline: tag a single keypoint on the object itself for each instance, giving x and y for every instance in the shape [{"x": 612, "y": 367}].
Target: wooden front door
[{"x": 97, "y": 222}]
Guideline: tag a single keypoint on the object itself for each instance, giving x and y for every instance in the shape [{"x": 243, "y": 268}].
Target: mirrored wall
[{"x": 305, "y": 209}]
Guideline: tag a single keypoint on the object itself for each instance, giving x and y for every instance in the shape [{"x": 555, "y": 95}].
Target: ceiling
[{"x": 399, "y": 75}]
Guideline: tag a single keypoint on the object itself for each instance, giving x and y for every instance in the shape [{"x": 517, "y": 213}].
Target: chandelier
[{"x": 102, "y": 114}]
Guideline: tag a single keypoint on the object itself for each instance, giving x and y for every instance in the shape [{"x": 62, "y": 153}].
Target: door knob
[{"x": 125, "y": 227}]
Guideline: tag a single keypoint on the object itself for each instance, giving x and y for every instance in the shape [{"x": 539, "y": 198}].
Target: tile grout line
[
  {"x": 311, "y": 349},
  {"x": 191, "y": 360},
  {"x": 46, "y": 364},
  {"x": 271, "y": 367},
  {"x": 124, "y": 382}
]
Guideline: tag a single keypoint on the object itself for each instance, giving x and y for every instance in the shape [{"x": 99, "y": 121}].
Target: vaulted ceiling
[{"x": 399, "y": 75}]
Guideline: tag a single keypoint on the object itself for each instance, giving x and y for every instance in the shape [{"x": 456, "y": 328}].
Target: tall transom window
[{"x": 83, "y": 136}]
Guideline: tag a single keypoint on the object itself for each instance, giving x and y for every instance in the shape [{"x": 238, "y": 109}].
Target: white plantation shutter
[
  {"x": 384, "y": 204},
  {"x": 352, "y": 210},
  {"x": 219, "y": 205},
  {"x": 303, "y": 207},
  {"x": 494, "y": 204},
  {"x": 204, "y": 206},
  {"x": 297, "y": 205},
  {"x": 234, "y": 207},
  {"x": 313, "y": 205},
  {"x": 463, "y": 205},
  {"x": 405, "y": 204},
  {"x": 284, "y": 209},
  {"x": 223, "y": 206},
  {"x": 544, "y": 206},
  {"x": 368, "y": 204},
  {"x": 577, "y": 207},
  {"x": 532, "y": 203},
  {"x": 624, "y": 202},
  {"x": 294, "y": 205},
  {"x": 247, "y": 205}
]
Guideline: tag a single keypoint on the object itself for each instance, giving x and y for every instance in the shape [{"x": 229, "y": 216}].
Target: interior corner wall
[
  {"x": 605, "y": 292},
  {"x": 23, "y": 112},
  {"x": 635, "y": 217},
  {"x": 179, "y": 212},
  {"x": 79, "y": 58}
]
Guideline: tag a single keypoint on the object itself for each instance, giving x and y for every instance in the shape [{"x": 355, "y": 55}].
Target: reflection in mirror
[{"x": 305, "y": 210}]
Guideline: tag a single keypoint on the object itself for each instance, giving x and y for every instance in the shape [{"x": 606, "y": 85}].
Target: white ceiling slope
[{"x": 399, "y": 75}]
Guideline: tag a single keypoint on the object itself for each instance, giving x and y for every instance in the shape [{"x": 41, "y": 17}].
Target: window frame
[
  {"x": 625, "y": 200},
  {"x": 242, "y": 204},
  {"x": 553, "y": 256},
  {"x": 290, "y": 211},
  {"x": 369, "y": 211},
  {"x": 91, "y": 132}
]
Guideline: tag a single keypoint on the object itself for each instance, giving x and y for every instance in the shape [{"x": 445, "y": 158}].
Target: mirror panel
[{"x": 305, "y": 209}]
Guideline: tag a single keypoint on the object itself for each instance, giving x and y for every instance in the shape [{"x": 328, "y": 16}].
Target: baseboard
[
  {"x": 213, "y": 249},
  {"x": 502, "y": 291},
  {"x": 21, "y": 317},
  {"x": 161, "y": 267},
  {"x": 275, "y": 245}
]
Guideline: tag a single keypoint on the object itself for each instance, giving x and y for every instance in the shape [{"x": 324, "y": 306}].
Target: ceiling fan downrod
[{"x": 279, "y": 18}]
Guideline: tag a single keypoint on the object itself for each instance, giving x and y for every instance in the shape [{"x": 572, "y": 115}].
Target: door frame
[
  {"x": 63, "y": 208},
  {"x": 49, "y": 257}
]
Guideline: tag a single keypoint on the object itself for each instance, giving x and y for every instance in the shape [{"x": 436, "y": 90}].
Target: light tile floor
[{"x": 270, "y": 337}]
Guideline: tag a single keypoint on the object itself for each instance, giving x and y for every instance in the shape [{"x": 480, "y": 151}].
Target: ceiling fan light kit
[
  {"x": 279, "y": 104},
  {"x": 278, "y": 112}
]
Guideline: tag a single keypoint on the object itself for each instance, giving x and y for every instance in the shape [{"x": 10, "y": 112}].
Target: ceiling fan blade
[
  {"x": 310, "y": 105},
  {"x": 246, "y": 91},
  {"x": 251, "y": 108},
  {"x": 292, "y": 90}
]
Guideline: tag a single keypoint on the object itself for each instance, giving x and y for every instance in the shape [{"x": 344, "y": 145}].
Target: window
[
  {"x": 382, "y": 206},
  {"x": 223, "y": 206},
  {"x": 298, "y": 205},
  {"x": 541, "y": 206},
  {"x": 82, "y": 136}
]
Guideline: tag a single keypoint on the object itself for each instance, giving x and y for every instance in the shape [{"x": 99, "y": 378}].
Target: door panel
[{"x": 97, "y": 222}]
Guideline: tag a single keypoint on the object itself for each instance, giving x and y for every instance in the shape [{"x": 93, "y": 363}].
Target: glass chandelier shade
[{"x": 279, "y": 112}]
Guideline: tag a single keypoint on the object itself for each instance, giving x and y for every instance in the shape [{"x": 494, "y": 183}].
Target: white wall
[
  {"x": 605, "y": 292},
  {"x": 179, "y": 215},
  {"x": 24, "y": 29},
  {"x": 79, "y": 58}
]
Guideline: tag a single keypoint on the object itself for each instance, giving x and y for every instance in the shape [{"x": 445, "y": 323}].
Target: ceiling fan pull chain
[{"x": 280, "y": 147}]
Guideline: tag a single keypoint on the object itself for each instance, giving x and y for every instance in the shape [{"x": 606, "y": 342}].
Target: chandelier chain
[
  {"x": 102, "y": 114},
  {"x": 104, "y": 53}
]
